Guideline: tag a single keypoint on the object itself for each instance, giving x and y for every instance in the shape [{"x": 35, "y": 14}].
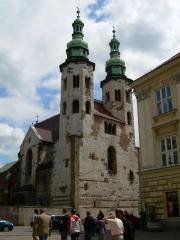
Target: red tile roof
[
  {"x": 99, "y": 110},
  {"x": 48, "y": 130}
]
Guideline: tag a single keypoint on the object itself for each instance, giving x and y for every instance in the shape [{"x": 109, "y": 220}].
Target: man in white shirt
[{"x": 116, "y": 226}]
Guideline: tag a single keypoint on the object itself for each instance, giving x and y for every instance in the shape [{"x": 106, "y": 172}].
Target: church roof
[
  {"x": 99, "y": 110},
  {"x": 48, "y": 130},
  {"x": 44, "y": 134},
  {"x": 51, "y": 124}
]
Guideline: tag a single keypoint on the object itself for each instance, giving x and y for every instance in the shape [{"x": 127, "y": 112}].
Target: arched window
[
  {"x": 87, "y": 82},
  {"x": 114, "y": 129},
  {"x": 131, "y": 176},
  {"x": 106, "y": 127},
  {"x": 110, "y": 128},
  {"x": 128, "y": 96},
  {"x": 65, "y": 83},
  {"x": 75, "y": 106},
  {"x": 75, "y": 81},
  {"x": 112, "y": 162},
  {"x": 88, "y": 107},
  {"x": 29, "y": 163},
  {"x": 64, "y": 108},
  {"x": 129, "y": 118},
  {"x": 118, "y": 95}
]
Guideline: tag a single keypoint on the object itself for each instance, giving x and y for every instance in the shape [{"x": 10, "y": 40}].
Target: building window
[
  {"x": 65, "y": 84},
  {"x": 66, "y": 162},
  {"x": 128, "y": 96},
  {"x": 112, "y": 163},
  {"x": 129, "y": 118},
  {"x": 86, "y": 186},
  {"x": 105, "y": 127},
  {"x": 87, "y": 82},
  {"x": 110, "y": 128},
  {"x": 114, "y": 129},
  {"x": 169, "y": 153},
  {"x": 75, "y": 81},
  {"x": 164, "y": 99},
  {"x": 75, "y": 106},
  {"x": 107, "y": 97},
  {"x": 118, "y": 95},
  {"x": 88, "y": 107},
  {"x": 172, "y": 204},
  {"x": 29, "y": 157},
  {"x": 131, "y": 176},
  {"x": 64, "y": 108}
]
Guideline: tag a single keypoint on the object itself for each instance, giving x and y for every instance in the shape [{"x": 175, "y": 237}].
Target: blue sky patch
[
  {"x": 3, "y": 91},
  {"x": 97, "y": 91},
  {"x": 6, "y": 159},
  {"x": 93, "y": 13},
  {"x": 46, "y": 95}
]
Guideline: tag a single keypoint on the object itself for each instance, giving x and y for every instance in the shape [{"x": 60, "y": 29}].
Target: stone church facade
[{"x": 85, "y": 156}]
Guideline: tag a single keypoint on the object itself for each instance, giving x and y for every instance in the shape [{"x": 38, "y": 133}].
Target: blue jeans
[{"x": 45, "y": 237}]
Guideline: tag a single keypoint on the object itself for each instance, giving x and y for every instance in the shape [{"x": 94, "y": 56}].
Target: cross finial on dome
[
  {"x": 114, "y": 31},
  {"x": 78, "y": 12}
]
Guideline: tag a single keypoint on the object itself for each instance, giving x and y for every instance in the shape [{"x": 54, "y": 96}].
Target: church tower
[
  {"x": 76, "y": 113},
  {"x": 116, "y": 92}
]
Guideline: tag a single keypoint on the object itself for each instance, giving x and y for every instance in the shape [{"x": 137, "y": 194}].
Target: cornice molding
[{"x": 145, "y": 93}]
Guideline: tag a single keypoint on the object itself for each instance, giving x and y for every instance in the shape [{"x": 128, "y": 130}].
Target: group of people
[
  {"x": 41, "y": 225},
  {"x": 121, "y": 224}
]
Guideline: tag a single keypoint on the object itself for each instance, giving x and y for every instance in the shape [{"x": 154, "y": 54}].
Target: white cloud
[
  {"x": 52, "y": 83},
  {"x": 10, "y": 141},
  {"x": 35, "y": 34},
  {"x": 19, "y": 109}
]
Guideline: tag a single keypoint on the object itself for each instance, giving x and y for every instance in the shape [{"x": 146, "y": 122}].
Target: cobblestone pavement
[{"x": 24, "y": 233}]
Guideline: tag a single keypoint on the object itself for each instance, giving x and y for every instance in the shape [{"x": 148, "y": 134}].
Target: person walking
[
  {"x": 75, "y": 225},
  {"x": 89, "y": 226},
  {"x": 116, "y": 226},
  {"x": 33, "y": 225},
  {"x": 129, "y": 228},
  {"x": 43, "y": 224},
  {"x": 65, "y": 225},
  {"x": 100, "y": 228}
]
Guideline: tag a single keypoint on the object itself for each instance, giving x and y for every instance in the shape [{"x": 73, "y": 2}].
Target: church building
[{"x": 84, "y": 157}]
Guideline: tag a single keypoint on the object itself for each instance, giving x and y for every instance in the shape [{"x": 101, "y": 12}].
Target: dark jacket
[
  {"x": 89, "y": 224},
  {"x": 65, "y": 224}
]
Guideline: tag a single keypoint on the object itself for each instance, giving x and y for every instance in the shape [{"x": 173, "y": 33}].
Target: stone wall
[{"x": 98, "y": 187}]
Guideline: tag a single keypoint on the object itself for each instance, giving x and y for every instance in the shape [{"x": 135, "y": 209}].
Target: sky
[{"x": 33, "y": 42}]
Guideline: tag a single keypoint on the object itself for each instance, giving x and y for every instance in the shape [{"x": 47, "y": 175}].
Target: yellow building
[{"x": 158, "y": 100}]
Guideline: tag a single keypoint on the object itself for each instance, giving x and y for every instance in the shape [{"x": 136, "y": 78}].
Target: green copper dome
[
  {"x": 77, "y": 47},
  {"x": 77, "y": 43},
  {"x": 115, "y": 66},
  {"x": 115, "y": 61}
]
